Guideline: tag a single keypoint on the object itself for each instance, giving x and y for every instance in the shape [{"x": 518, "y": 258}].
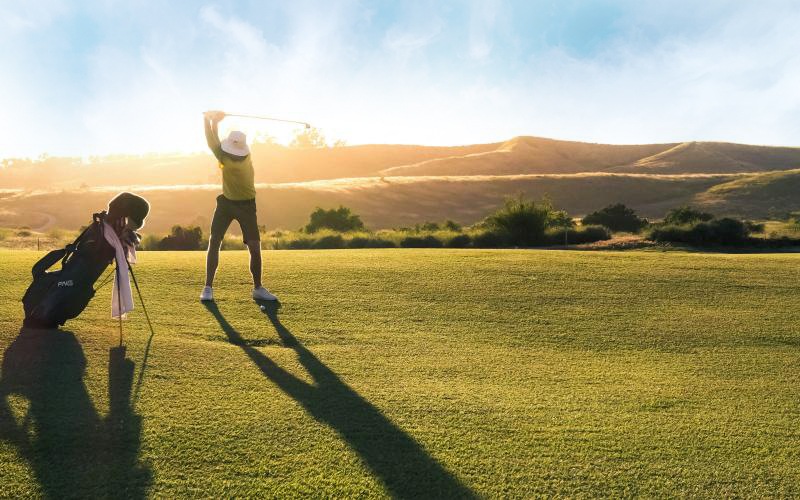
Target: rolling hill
[
  {"x": 768, "y": 195},
  {"x": 273, "y": 163},
  {"x": 533, "y": 155},
  {"x": 716, "y": 157},
  {"x": 381, "y": 201},
  {"x": 397, "y": 185},
  {"x": 527, "y": 155},
  {"x": 518, "y": 156}
]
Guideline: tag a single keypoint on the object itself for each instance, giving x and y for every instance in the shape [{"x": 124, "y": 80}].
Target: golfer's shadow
[
  {"x": 47, "y": 413},
  {"x": 399, "y": 462}
]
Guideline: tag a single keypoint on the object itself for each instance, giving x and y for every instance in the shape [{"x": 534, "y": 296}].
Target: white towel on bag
[{"x": 121, "y": 295}]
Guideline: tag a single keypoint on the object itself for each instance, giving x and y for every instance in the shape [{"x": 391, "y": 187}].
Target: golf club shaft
[{"x": 241, "y": 115}]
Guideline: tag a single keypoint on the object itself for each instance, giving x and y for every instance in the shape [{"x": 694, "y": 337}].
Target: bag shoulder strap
[
  {"x": 95, "y": 226},
  {"x": 46, "y": 262}
]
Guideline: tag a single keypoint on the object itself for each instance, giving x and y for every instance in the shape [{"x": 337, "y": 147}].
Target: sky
[{"x": 96, "y": 77}]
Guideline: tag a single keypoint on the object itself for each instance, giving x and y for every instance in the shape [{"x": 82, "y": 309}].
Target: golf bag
[{"x": 57, "y": 296}]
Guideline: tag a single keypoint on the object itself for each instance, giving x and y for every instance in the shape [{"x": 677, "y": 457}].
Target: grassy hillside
[
  {"x": 520, "y": 155},
  {"x": 415, "y": 373},
  {"x": 277, "y": 164},
  {"x": 382, "y": 202},
  {"x": 533, "y": 155},
  {"x": 396, "y": 185},
  {"x": 772, "y": 194},
  {"x": 272, "y": 163},
  {"x": 716, "y": 157},
  {"x": 526, "y": 155}
]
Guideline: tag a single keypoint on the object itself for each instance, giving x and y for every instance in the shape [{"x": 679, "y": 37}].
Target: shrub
[
  {"x": 330, "y": 241},
  {"x": 182, "y": 238},
  {"x": 338, "y": 219},
  {"x": 427, "y": 226},
  {"x": 577, "y": 236},
  {"x": 686, "y": 215},
  {"x": 724, "y": 231},
  {"x": 232, "y": 244},
  {"x": 617, "y": 218},
  {"x": 669, "y": 233},
  {"x": 727, "y": 230},
  {"x": 24, "y": 233},
  {"x": 459, "y": 241},
  {"x": 300, "y": 244},
  {"x": 364, "y": 242},
  {"x": 150, "y": 242},
  {"x": 589, "y": 234},
  {"x": 56, "y": 233},
  {"x": 755, "y": 227},
  {"x": 776, "y": 242},
  {"x": 429, "y": 241},
  {"x": 523, "y": 222},
  {"x": 490, "y": 239}
]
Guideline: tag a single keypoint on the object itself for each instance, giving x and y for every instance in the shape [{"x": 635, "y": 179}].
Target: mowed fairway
[{"x": 415, "y": 373}]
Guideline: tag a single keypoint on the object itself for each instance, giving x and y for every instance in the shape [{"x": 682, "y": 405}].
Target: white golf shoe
[
  {"x": 262, "y": 293},
  {"x": 207, "y": 295}
]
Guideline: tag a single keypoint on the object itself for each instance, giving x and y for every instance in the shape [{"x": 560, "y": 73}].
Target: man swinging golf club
[{"x": 237, "y": 202}]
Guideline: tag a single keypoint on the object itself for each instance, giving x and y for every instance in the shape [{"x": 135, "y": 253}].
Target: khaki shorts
[{"x": 243, "y": 212}]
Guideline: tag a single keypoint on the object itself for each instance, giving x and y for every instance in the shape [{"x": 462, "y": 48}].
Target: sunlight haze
[{"x": 100, "y": 77}]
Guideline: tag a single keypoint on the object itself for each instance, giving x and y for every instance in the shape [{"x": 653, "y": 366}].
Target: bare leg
[
  {"x": 212, "y": 259},
  {"x": 255, "y": 261}
]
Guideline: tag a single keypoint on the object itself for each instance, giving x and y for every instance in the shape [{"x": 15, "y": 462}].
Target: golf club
[{"x": 256, "y": 117}]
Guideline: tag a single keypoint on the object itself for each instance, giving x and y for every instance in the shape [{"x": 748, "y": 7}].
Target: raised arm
[{"x": 210, "y": 121}]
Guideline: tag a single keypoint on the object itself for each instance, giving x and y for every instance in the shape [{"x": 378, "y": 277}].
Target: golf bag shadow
[{"x": 57, "y": 296}]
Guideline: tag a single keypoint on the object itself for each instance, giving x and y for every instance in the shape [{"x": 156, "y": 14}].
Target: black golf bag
[{"x": 56, "y": 296}]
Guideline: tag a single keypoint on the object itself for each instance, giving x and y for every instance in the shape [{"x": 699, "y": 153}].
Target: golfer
[{"x": 237, "y": 202}]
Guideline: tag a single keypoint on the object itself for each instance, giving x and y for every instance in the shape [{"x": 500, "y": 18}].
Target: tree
[
  {"x": 264, "y": 138},
  {"x": 616, "y": 218},
  {"x": 182, "y": 238},
  {"x": 338, "y": 219},
  {"x": 522, "y": 222},
  {"x": 686, "y": 215},
  {"x": 308, "y": 138},
  {"x": 560, "y": 218}
]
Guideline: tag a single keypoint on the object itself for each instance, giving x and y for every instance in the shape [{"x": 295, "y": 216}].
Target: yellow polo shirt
[{"x": 237, "y": 177}]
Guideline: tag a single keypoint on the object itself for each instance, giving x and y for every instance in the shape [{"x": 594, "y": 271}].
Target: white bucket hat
[{"x": 236, "y": 144}]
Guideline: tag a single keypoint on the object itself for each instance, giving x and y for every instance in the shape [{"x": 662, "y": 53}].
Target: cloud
[
  {"x": 19, "y": 17},
  {"x": 404, "y": 42},
  {"x": 247, "y": 43},
  {"x": 416, "y": 72},
  {"x": 483, "y": 15}
]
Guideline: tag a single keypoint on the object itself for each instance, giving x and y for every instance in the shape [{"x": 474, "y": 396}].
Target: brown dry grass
[{"x": 382, "y": 202}]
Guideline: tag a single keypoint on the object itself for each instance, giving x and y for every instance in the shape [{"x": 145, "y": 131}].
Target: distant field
[
  {"x": 416, "y": 373},
  {"x": 401, "y": 185},
  {"x": 382, "y": 202},
  {"x": 522, "y": 155}
]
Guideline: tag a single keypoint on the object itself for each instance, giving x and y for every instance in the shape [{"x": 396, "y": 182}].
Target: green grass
[{"x": 497, "y": 373}]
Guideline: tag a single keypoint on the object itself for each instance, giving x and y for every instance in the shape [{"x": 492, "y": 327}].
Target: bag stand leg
[
  {"x": 119, "y": 305},
  {"x": 141, "y": 299}
]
